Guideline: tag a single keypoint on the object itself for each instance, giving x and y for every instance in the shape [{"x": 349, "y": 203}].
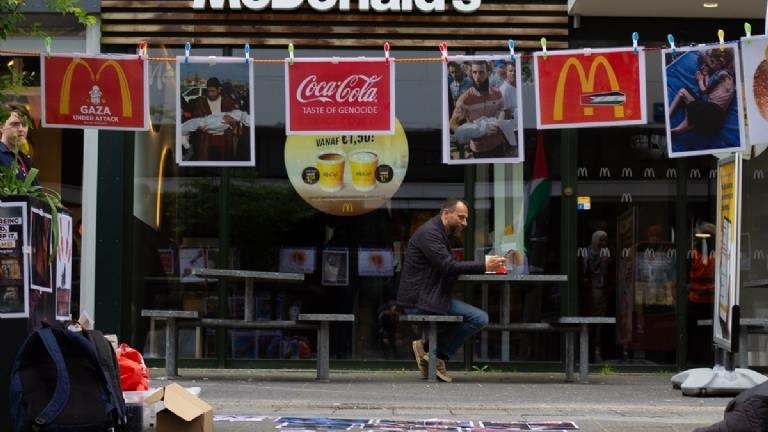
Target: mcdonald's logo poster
[
  {"x": 577, "y": 88},
  {"x": 97, "y": 92}
]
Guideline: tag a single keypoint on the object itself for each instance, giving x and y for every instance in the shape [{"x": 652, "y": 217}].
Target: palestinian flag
[{"x": 538, "y": 189}]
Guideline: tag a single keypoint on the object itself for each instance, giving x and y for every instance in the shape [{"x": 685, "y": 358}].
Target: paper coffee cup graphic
[
  {"x": 330, "y": 167},
  {"x": 363, "y": 164}
]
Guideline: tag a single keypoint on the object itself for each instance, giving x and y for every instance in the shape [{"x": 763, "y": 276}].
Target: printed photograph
[
  {"x": 214, "y": 112},
  {"x": 40, "y": 235},
  {"x": 336, "y": 267},
  {"x": 375, "y": 262},
  {"x": 704, "y": 110},
  {"x": 482, "y": 102}
]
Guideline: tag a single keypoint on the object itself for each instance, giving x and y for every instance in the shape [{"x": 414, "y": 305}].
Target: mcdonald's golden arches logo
[
  {"x": 575, "y": 88},
  {"x": 95, "y": 91}
]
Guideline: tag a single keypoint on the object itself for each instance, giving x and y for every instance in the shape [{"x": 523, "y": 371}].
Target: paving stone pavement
[{"x": 614, "y": 402}]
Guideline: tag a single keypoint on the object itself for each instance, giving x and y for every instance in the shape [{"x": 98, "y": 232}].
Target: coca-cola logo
[{"x": 354, "y": 88}]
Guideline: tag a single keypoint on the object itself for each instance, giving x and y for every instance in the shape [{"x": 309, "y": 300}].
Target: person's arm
[{"x": 439, "y": 256}]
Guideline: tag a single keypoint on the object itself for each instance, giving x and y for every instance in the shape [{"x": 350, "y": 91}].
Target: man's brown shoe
[
  {"x": 420, "y": 354},
  {"x": 442, "y": 372}
]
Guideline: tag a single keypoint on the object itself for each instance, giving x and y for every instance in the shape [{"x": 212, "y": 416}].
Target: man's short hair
[
  {"x": 481, "y": 63},
  {"x": 213, "y": 82},
  {"x": 450, "y": 204},
  {"x": 10, "y": 107}
]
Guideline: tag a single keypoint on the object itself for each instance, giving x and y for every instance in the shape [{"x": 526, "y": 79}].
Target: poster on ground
[
  {"x": 703, "y": 109},
  {"x": 106, "y": 91},
  {"x": 482, "y": 110},
  {"x": 727, "y": 249},
  {"x": 590, "y": 88}
]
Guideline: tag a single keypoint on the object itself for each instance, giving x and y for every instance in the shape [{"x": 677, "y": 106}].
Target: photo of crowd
[{"x": 482, "y": 121}]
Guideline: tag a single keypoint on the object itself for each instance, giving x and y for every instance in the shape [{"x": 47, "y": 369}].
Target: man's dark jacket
[{"x": 430, "y": 270}]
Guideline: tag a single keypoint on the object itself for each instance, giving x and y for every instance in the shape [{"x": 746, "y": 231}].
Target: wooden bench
[
  {"x": 747, "y": 326},
  {"x": 319, "y": 322},
  {"x": 170, "y": 317},
  {"x": 431, "y": 335},
  {"x": 570, "y": 326}
]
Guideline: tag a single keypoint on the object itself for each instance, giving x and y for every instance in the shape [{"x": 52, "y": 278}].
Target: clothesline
[{"x": 399, "y": 60}]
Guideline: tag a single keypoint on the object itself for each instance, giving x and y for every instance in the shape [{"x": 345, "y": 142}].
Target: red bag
[{"x": 134, "y": 375}]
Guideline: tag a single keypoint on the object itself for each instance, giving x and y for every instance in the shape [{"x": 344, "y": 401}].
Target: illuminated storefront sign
[{"x": 426, "y": 6}]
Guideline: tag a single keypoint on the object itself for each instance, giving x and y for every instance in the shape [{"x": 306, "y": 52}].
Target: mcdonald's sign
[
  {"x": 95, "y": 91},
  {"x": 578, "y": 89}
]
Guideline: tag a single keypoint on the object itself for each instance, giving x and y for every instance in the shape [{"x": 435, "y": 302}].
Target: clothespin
[
  {"x": 544, "y": 46},
  {"x": 142, "y": 49},
  {"x": 187, "y": 48},
  {"x": 635, "y": 38},
  {"x": 386, "y": 53},
  {"x": 511, "y": 44},
  {"x": 290, "y": 53},
  {"x": 587, "y": 52},
  {"x": 212, "y": 60},
  {"x": 444, "y": 50},
  {"x": 748, "y": 31},
  {"x": 247, "y": 51},
  {"x": 47, "y": 42},
  {"x": 721, "y": 36},
  {"x": 671, "y": 40}
]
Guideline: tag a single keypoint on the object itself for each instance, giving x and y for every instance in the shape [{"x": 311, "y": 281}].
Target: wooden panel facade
[{"x": 174, "y": 22}]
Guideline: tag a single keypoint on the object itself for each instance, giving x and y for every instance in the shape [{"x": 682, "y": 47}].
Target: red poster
[
  {"x": 99, "y": 92},
  {"x": 589, "y": 88},
  {"x": 339, "y": 96}
]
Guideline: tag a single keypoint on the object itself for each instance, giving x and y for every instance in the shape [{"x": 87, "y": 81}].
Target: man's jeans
[{"x": 452, "y": 335}]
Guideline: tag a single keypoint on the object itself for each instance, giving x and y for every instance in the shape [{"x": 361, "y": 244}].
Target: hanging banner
[
  {"x": 347, "y": 175},
  {"x": 704, "y": 110},
  {"x": 590, "y": 88},
  {"x": 482, "y": 103},
  {"x": 108, "y": 92},
  {"x": 753, "y": 58},
  {"x": 214, "y": 112},
  {"x": 336, "y": 96},
  {"x": 729, "y": 174}
]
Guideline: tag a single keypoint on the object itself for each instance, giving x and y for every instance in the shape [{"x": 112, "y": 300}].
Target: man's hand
[{"x": 493, "y": 263}]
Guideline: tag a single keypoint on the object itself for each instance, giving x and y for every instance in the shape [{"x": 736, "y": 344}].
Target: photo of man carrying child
[{"x": 485, "y": 118}]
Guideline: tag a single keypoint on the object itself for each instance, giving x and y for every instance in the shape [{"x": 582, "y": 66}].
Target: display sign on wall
[
  {"x": 590, "y": 88},
  {"x": 97, "y": 92},
  {"x": 347, "y": 175},
  {"x": 704, "y": 110},
  {"x": 14, "y": 263},
  {"x": 339, "y": 96},
  {"x": 482, "y": 102},
  {"x": 753, "y": 58},
  {"x": 214, "y": 112},
  {"x": 727, "y": 248}
]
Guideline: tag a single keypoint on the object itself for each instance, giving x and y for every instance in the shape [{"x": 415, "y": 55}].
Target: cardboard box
[{"x": 183, "y": 412}]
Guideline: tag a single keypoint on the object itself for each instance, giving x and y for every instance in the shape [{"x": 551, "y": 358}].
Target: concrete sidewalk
[{"x": 615, "y": 402}]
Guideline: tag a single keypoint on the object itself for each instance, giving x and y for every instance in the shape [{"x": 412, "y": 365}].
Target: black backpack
[{"x": 65, "y": 380}]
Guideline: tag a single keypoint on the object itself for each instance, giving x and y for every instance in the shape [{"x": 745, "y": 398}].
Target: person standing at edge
[
  {"x": 426, "y": 282},
  {"x": 15, "y": 120}
]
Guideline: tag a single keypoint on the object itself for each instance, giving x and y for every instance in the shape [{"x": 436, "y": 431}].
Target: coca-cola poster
[{"x": 339, "y": 96}]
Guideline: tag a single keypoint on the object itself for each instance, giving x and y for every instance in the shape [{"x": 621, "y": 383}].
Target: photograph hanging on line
[
  {"x": 214, "y": 112},
  {"x": 703, "y": 107},
  {"x": 482, "y": 110}
]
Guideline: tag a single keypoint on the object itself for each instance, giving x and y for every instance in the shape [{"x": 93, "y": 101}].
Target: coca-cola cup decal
[{"x": 339, "y": 96}]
